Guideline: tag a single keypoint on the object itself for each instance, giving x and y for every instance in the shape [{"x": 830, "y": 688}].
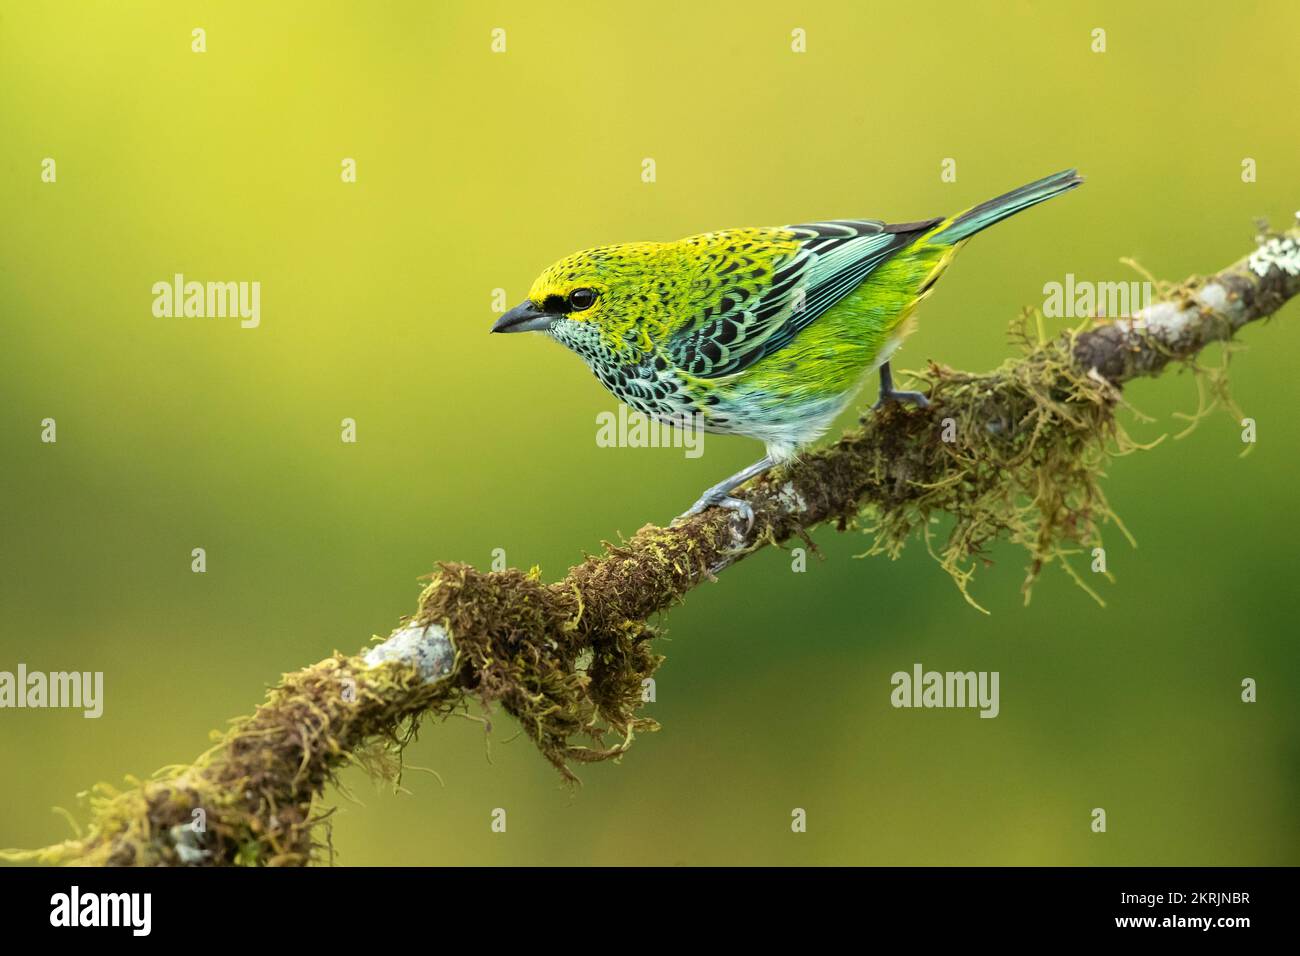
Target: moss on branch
[{"x": 1016, "y": 453}]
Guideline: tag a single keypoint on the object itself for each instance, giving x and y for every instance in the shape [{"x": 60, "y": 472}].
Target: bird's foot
[
  {"x": 720, "y": 499},
  {"x": 916, "y": 398},
  {"x": 719, "y": 496}
]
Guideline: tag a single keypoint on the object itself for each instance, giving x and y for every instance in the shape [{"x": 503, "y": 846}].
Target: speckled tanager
[{"x": 766, "y": 332}]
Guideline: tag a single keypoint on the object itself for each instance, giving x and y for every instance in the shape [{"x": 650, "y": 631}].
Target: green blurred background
[{"x": 477, "y": 169}]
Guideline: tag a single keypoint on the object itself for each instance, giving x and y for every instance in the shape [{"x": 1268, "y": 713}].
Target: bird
[{"x": 766, "y": 332}]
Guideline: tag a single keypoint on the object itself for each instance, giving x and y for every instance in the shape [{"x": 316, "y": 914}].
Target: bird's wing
[{"x": 829, "y": 260}]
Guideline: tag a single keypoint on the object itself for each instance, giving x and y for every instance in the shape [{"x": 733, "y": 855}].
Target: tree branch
[{"x": 1014, "y": 453}]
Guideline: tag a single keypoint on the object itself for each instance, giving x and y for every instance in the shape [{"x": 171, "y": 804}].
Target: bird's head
[{"x": 613, "y": 302}]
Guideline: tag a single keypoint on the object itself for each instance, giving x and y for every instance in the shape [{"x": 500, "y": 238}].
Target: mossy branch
[{"x": 1014, "y": 453}]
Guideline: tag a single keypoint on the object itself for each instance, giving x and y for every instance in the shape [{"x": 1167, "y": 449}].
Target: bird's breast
[{"x": 650, "y": 387}]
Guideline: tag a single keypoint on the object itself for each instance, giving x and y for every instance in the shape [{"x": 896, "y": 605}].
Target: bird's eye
[{"x": 580, "y": 300}]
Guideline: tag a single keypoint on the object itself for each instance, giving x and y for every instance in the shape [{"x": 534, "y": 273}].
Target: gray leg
[
  {"x": 889, "y": 394},
  {"x": 720, "y": 494}
]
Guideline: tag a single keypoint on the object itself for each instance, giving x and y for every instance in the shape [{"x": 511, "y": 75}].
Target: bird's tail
[{"x": 966, "y": 224}]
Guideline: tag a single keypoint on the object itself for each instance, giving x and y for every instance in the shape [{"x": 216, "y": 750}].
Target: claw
[
  {"x": 889, "y": 394},
  {"x": 916, "y": 398},
  {"x": 724, "y": 501},
  {"x": 719, "y": 496}
]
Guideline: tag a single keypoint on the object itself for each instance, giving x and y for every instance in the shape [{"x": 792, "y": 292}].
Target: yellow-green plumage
[{"x": 766, "y": 332}]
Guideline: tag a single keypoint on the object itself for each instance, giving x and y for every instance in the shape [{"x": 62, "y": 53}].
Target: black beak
[{"x": 524, "y": 318}]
